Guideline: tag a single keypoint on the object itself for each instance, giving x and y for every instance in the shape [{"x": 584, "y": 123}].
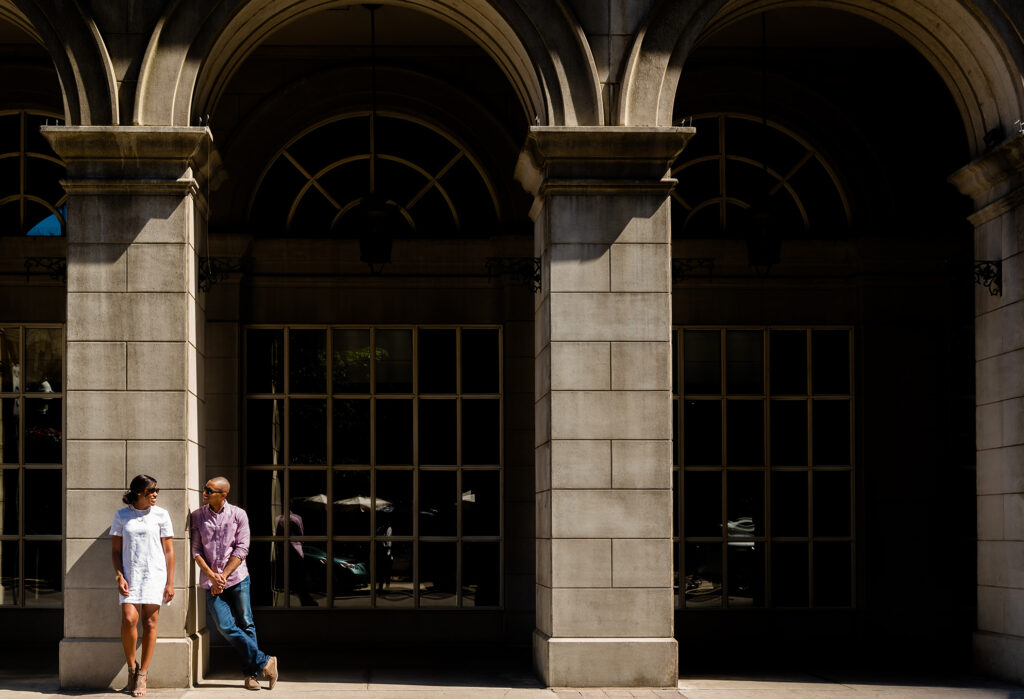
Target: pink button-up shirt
[{"x": 217, "y": 536}]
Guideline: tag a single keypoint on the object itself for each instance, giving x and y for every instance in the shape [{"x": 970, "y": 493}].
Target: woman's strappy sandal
[
  {"x": 140, "y": 684},
  {"x": 130, "y": 687}
]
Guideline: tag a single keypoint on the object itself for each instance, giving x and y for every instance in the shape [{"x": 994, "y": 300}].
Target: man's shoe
[
  {"x": 270, "y": 670},
  {"x": 252, "y": 683}
]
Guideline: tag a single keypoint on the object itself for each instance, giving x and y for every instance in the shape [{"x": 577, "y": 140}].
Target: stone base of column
[
  {"x": 98, "y": 663},
  {"x": 999, "y": 655},
  {"x": 200, "y": 655},
  {"x": 606, "y": 662}
]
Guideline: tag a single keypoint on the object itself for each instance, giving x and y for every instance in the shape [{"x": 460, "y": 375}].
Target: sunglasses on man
[{"x": 210, "y": 491}]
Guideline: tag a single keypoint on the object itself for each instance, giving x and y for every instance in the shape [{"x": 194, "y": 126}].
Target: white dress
[{"x": 142, "y": 552}]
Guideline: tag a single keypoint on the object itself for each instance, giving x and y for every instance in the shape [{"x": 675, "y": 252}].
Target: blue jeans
[{"x": 231, "y": 613}]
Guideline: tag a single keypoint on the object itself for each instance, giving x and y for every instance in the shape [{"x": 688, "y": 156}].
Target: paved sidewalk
[{"x": 372, "y": 678}]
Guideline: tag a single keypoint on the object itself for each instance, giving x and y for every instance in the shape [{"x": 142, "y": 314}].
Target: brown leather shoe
[
  {"x": 270, "y": 670},
  {"x": 252, "y": 683}
]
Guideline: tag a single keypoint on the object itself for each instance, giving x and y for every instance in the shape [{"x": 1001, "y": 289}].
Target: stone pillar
[
  {"x": 996, "y": 183},
  {"x": 134, "y": 378},
  {"x": 603, "y": 404}
]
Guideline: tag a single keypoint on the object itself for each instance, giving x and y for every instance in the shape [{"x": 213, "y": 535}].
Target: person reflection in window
[{"x": 296, "y": 559}]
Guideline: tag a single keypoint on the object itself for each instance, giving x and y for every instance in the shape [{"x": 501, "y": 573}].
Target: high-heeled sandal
[
  {"x": 130, "y": 687},
  {"x": 140, "y": 683}
]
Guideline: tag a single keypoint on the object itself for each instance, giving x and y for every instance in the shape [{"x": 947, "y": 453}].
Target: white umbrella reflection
[{"x": 363, "y": 503}]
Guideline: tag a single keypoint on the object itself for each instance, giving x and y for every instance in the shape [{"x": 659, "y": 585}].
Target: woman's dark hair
[{"x": 138, "y": 487}]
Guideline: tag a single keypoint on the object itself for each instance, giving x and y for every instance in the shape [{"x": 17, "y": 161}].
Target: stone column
[
  {"x": 134, "y": 378},
  {"x": 996, "y": 183},
  {"x": 603, "y": 404}
]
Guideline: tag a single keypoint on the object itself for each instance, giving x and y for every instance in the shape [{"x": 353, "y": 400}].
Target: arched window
[
  {"x": 737, "y": 166},
  {"x": 32, "y": 201},
  {"x": 314, "y": 185}
]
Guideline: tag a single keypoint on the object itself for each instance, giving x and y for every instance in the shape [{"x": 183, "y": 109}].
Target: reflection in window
[
  {"x": 31, "y": 458},
  {"x": 374, "y": 466},
  {"x": 32, "y": 200},
  {"x": 765, "y": 467}
]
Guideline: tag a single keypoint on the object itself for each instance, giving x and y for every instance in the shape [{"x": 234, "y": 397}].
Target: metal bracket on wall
[
  {"x": 56, "y": 267},
  {"x": 686, "y": 266},
  {"x": 522, "y": 269},
  {"x": 216, "y": 269},
  {"x": 989, "y": 273}
]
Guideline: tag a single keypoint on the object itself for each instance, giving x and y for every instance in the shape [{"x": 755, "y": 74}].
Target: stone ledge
[
  {"x": 97, "y": 663},
  {"x": 605, "y": 662}
]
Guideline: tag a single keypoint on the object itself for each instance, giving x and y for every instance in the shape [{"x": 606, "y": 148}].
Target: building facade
[{"x": 649, "y": 334}]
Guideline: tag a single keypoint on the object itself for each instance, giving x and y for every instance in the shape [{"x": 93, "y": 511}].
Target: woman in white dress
[{"x": 143, "y": 557}]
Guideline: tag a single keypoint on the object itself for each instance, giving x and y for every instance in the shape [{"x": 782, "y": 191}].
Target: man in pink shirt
[{"x": 220, "y": 543}]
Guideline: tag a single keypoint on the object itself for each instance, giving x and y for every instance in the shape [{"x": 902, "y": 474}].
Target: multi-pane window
[
  {"x": 764, "y": 467},
  {"x": 32, "y": 200},
  {"x": 31, "y": 454},
  {"x": 377, "y": 450}
]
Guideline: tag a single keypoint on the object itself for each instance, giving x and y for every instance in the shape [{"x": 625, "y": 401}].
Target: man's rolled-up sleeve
[{"x": 241, "y": 547}]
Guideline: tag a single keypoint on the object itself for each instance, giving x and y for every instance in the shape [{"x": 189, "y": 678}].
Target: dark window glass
[
  {"x": 790, "y": 574},
  {"x": 675, "y": 363},
  {"x": 831, "y": 503},
  {"x": 675, "y": 503},
  {"x": 394, "y": 574},
  {"x": 481, "y": 432},
  {"x": 676, "y": 445},
  {"x": 744, "y": 356},
  {"x": 394, "y": 431},
  {"x": 10, "y": 358},
  {"x": 352, "y": 580},
  {"x": 351, "y": 430},
  {"x": 703, "y": 578},
  {"x": 746, "y": 574},
  {"x": 481, "y": 503},
  {"x": 394, "y": 361},
  {"x": 394, "y": 502},
  {"x": 702, "y": 362},
  {"x": 307, "y": 568},
  {"x": 745, "y": 497},
  {"x": 702, "y": 433},
  {"x": 308, "y": 498},
  {"x": 264, "y": 358},
  {"x": 789, "y": 432},
  {"x": 43, "y": 436},
  {"x": 437, "y": 574},
  {"x": 830, "y": 362},
  {"x": 437, "y": 366},
  {"x": 40, "y": 486},
  {"x": 10, "y": 134},
  {"x": 265, "y": 432},
  {"x": 438, "y": 503},
  {"x": 352, "y": 503},
  {"x": 788, "y": 351},
  {"x": 9, "y": 579},
  {"x": 264, "y": 502},
  {"x": 308, "y": 431},
  {"x": 44, "y": 360},
  {"x": 307, "y": 361},
  {"x": 831, "y": 422},
  {"x": 702, "y": 506},
  {"x": 480, "y": 354},
  {"x": 832, "y": 586},
  {"x": 43, "y": 579},
  {"x": 9, "y": 496},
  {"x": 789, "y": 503},
  {"x": 10, "y": 430},
  {"x": 438, "y": 434},
  {"x": 745, "y": 432},
  {"x": 266, "y": 572},
  {"x": 481, "y": 574},
  {"x": 351, "y": 361}
]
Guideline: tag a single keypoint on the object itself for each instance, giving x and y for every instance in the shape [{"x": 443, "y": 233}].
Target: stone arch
[
  {"x": 966, "y": 50},
  {"x": 197, "y": 46},
  {"x": 76, "y": 47}
]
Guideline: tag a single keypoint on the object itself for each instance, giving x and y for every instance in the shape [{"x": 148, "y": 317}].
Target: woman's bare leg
[
  {"x": 129, "y": 634},
  {"x": 150, "y": 615}
]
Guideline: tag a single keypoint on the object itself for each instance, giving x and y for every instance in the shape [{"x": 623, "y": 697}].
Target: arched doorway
[{"x": 809, "y": 203}]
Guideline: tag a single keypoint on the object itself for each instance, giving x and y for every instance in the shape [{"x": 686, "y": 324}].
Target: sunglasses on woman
[{"x": 151, "y": 491}]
